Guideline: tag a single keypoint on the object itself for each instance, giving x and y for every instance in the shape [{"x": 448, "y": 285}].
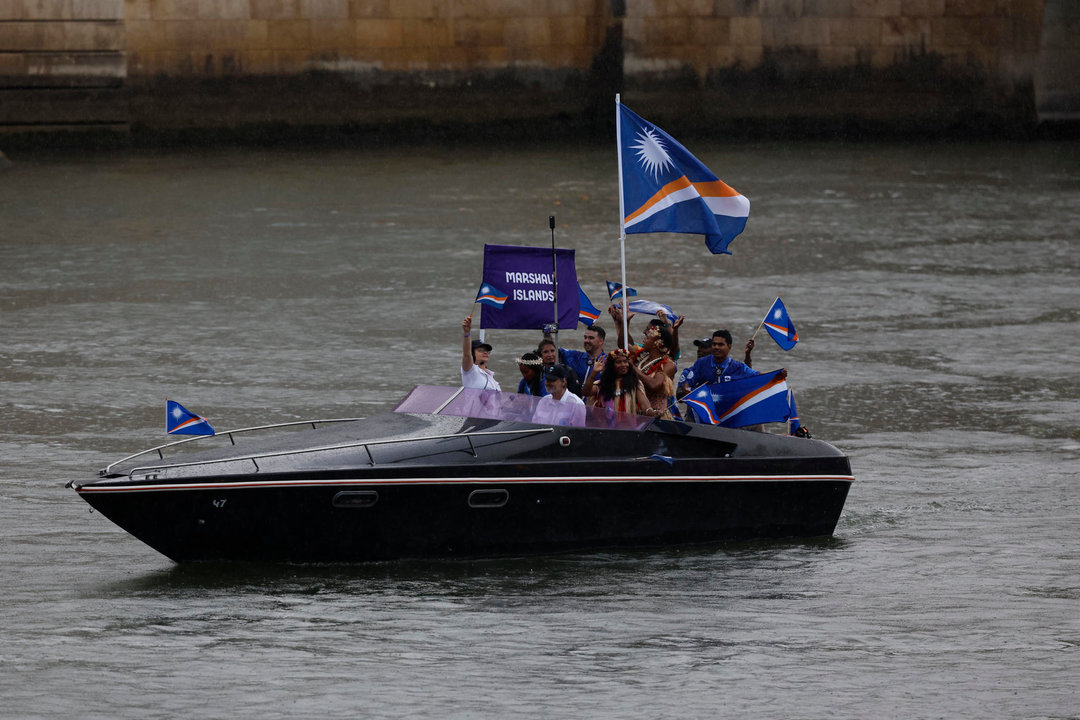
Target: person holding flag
[
  {"x": 718, "y": 367},
  {"x": 474, "y": 359}
]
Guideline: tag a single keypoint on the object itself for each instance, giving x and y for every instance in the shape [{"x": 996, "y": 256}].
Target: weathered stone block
[
  {"x": 411, "y": 9},
  {"x": 527, "y": 32},
  {"x": 289, "y": 35},
  {"x": 906, "y": 31},
  {"x": 948, "y": 34},
  {"x": 369, "y": 8},
  {"x": 875, "y": 8},
  {"x": 796, "y": 32},
  {"x": 709, "y": 31},
  {"x": 837, "y": 56},
  {"x": 569, "y": 30},
  {"x": 258, "y": 35},
  {"x": 137, "y": 10},
  {"x": 325, "y": 9},
  {"x": 479, "y": 33},
  {"x": 860, "y": 32},
  {"x": 176, "y": 10},
  {"x": 971, "y": 8},
  {"x": 275, "y": 10},
  {"x": 828, "y": 8},
  {"x": 449, "y": 58},
  {"x": 668, "y": 31},
  {"x": 97, "y": 9},
  {"x": 229, "y": 10},
  {"x": 781, "y": 8},
  {"x": 332, "y": 36},
  {"x": 259, "y": 62},
  {"x": 430, "y": 32},
  {"x": 23, "y": 35},
  {"x": 746, "y": 31},
  {"x": 643, "y": 8},
  {"x": 487, "y": 56},
  {"x": 748, "y": 56},
  {"x": 95, "y": 36},
  {"x": 42, "y": 9},
  {"x": 12, "y": 68},
  {"x": 922, "y": 8},
  {"x": 379, "y": 33}
]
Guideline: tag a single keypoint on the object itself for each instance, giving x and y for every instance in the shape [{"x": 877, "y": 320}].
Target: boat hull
[{"x": 481, "y": 511}]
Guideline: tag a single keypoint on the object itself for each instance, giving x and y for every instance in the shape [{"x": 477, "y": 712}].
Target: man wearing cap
[
  {"x": 717, "y": 367},
  {"x": 561, "y": 407},
  {"x": 474, "y": 360},
  {"x": 704, "y": 347}
]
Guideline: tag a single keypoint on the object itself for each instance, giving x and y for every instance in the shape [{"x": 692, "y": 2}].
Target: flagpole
[
  {"x": 166, "y": 458},
  {"x": 622, "y": 223},
  {"x": 554, "y": 278},
  {"x": 762, "y": 323}
]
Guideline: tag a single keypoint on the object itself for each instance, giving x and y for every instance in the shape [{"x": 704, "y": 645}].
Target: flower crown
[{"x": 531, "y": 362}]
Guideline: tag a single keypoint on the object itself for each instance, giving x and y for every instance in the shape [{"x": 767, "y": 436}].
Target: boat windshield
[{"x": 495, "y": 405}]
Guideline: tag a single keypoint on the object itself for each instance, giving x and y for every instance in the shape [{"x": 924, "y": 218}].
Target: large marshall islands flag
[
  {"x": 759, "y": 399},
  {"x": 666, "y": 189}
]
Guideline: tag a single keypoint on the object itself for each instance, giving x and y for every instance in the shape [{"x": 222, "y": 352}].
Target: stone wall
[{"x": 163, "y": 64}]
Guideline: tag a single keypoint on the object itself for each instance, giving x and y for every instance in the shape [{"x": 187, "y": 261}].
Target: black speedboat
[{"x": 460, "y": 472}]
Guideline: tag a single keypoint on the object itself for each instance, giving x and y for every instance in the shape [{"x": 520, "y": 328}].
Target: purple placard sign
[{"x": 524, "y": 274}]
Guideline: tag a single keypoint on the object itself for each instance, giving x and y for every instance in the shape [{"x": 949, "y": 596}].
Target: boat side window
[
  {"x": 488, "y": 498},
  {"x": 356, "y": 499}
]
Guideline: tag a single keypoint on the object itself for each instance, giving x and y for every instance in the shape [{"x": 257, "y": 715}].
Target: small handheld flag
[
  {"x": 180, "y": 421},
  {"x": 587, "y": 312},
  {"x": 490, "y": 295},
  {"x": 779, "y": 326},
  {"x": 615, "y": 290},
  {"x": 666, "y": 189},
  {"x": 701, "y": 404},
  {"x": 648, "y": 307}
]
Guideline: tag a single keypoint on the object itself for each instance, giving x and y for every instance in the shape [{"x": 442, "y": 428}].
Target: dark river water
[{"x": 936, "y": 289}]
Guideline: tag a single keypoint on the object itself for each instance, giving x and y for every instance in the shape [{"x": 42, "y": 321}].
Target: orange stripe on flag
[
  {"x": 714, "y": 188},
  {"x": 673, "y": 186}
]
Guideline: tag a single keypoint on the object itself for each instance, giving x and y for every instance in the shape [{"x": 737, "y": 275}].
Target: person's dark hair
[
  {"x": 657, "y": 322},
  {"x": 724, "y": 334},
  {"x": 667, "y": 338},
  {"x": 599, "y": 331},
  {"x": 544, "y": 343},
  {"x": 608, "y": 379}
]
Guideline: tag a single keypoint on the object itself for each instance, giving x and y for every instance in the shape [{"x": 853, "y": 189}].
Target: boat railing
[
  {"x": 366, "y": 444},
  {"x": 230, "y": 433}
]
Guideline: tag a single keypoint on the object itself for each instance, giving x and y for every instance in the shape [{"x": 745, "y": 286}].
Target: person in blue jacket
[{"x": 718, "y": 367}]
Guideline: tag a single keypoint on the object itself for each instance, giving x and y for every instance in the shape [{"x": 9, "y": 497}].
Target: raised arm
[
  {"x": 675, "y": 335},
  {"x": 466, "y": 344},
  {"x": 749, "y": 349},
  {"x": 615, "y": 310},
  {"x": 589, "y": 388}
]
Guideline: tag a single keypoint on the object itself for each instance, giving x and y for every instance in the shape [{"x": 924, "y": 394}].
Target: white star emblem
[{"x": 651, "y": 153}]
